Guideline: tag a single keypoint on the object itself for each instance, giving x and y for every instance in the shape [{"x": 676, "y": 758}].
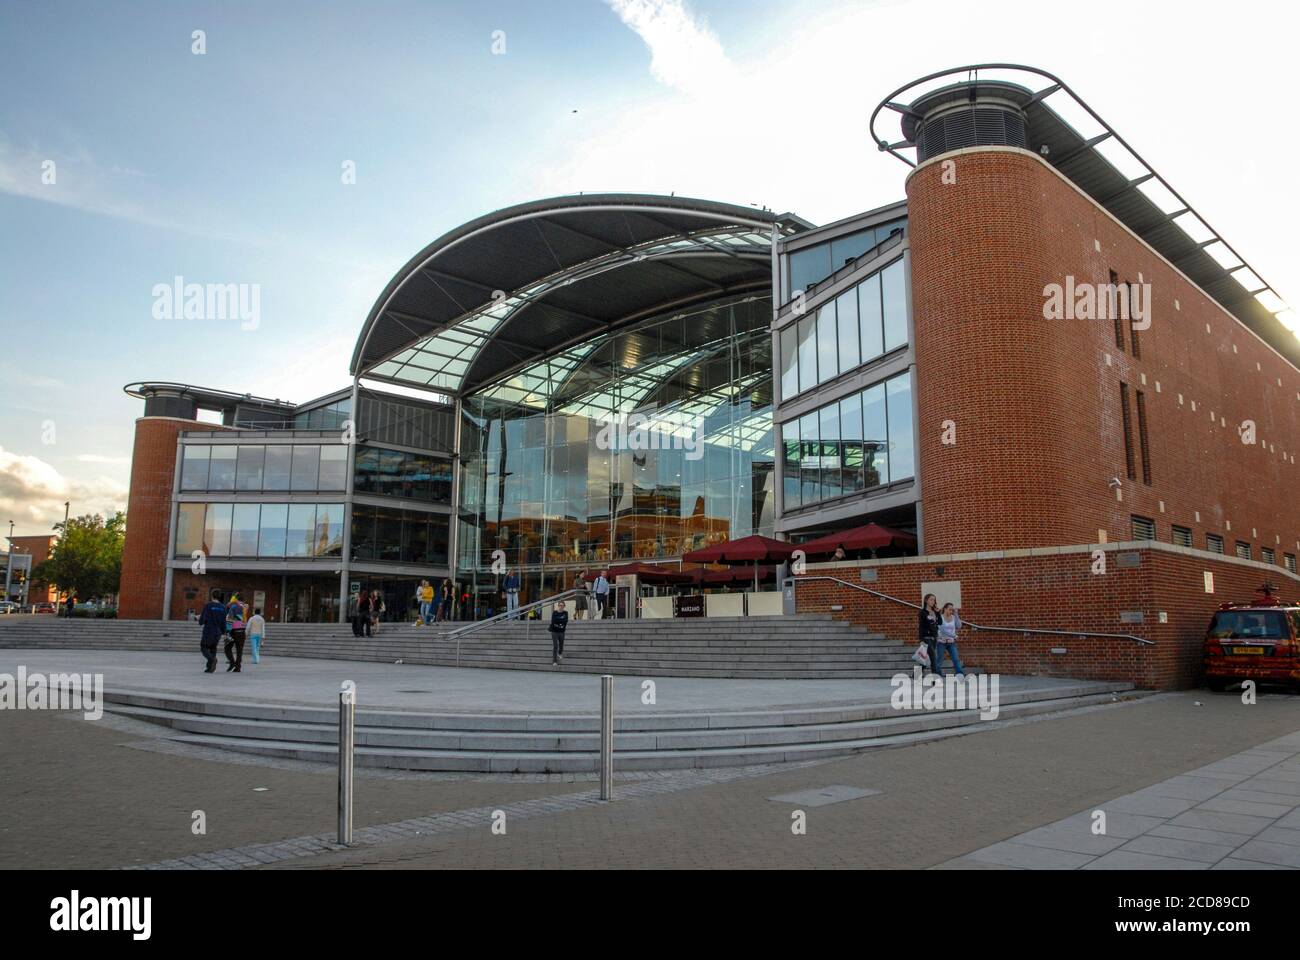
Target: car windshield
[{"x": 1249, "y": 625}]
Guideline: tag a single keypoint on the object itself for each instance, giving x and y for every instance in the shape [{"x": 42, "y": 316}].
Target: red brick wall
[
  {"x": 1037, "y": 406},
  {"x": 1058, "y": 592},
  {"x": 148, "y": 515},
  {"x": 191, "y": 591}
]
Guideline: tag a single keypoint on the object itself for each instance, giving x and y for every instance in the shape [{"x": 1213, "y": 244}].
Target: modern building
[{"x": 1041, "y": 348}]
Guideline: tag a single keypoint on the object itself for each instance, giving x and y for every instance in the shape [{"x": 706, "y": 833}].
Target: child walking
[
  {"x": 256, "y": 631},
  {"x": 559, "y": 623}
]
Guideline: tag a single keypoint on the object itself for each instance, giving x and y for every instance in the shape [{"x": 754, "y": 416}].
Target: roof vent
[{"x": 962, "y": 115}]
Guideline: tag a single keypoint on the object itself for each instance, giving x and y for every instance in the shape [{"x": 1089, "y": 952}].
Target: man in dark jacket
[
  {"x": 212, "y": 621},
  {"x": 559, "y": 623}
]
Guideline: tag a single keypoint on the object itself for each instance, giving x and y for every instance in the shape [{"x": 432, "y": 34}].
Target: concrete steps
[
  {"x": 534, "y": 743},
  {"x": 808, "y": 646}
]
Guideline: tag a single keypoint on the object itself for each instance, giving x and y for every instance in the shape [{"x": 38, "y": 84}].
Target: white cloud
[
  {"x": 99, "y": 458},
  {"x": 32, "y": 493},
  {"x": 684, "y": 53}
]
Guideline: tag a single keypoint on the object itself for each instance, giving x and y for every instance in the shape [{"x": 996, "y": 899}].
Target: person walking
[
  {"x": 949, "y": 624},
  {"x": 600, "y": 593},
  {"x": 512, "y": 593},
  {"x": 426, "y": 602},
  {"x": 256, "y": 631},
  {"x": 363, "y": 614},
  {"x": 559, "y": 623},
  {"x": 443, "y": 612},
  {"x": 377, "y": 609},
  {"x": 927, "y": 626},
  {"x": 236, "y": 614},
  {"x": 212, "y": 624},
  {"x": 580, "y": 601}
]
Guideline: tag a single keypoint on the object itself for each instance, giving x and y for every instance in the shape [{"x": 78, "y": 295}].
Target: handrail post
[
  {"x": 606, "y": 737},
  {"x": 347, "y": 736}
]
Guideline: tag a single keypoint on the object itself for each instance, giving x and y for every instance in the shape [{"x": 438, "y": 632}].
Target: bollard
[
  {"x": 347, "y": 729},
  {"x": 606, "y": 737}
]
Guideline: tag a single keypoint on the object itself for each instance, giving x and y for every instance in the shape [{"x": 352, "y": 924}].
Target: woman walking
[
  {"x": 949, "y": 624},
  {"x": 559, "y": 623},
  {"x": 927, "y": 626},
  {"x": 377, "y": 609}
]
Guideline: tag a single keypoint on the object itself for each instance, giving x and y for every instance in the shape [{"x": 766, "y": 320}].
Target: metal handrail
[
  {"x": 977, "y": 626},
  {"x": 511, "y": 615}
]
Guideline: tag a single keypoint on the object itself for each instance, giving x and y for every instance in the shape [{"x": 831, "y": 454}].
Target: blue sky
[{"x": 226, "y": 167}]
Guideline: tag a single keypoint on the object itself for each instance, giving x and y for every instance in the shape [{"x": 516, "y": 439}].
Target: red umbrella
[
  {"x": 871, "y": 536},
  {"x": 753, "y": 549},
  {"x": 648, "y": 571}
]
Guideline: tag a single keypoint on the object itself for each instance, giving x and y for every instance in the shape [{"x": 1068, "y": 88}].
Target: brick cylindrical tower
[{"x": 148, "y": 516}]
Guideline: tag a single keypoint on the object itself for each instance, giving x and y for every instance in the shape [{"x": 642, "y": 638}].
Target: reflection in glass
[
  {"x": 328, "y": 538},
  {"x": 270, "y": 542},
  {"x": 333, "y": 468},
  {"x": 189, "y": 528},
  {"x": 902, "y": 459},
  {"x": 248, "y": 475},
  {"x": 275, "y": 476},
  {"x": 831, "y": 456},
  {"x": 243, "y": 530},
  {"x": 306, "y": 467},
  {"x": 827, "y": 362},
  {"x": 846, "y": 319},
  {"x": 893, "y": 289},
  {"x": 301, "y": 530},
  {"x": 194, "y": 467},
  {"x": 870, "y": 322},
  {"x": 875, "y": 433},
  {"x": 221, "y": 474},
  {"x": 851, "y": 432},
  {"x": 216, "y": 530}
]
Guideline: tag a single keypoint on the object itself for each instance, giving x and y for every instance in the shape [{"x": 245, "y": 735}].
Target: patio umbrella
[
  {"x": 871, "y": 536},
  {"x": 753, "y": 549},
  {"x": 650, "y": 572}
]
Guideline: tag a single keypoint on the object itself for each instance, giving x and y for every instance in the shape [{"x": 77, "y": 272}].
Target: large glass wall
[
  {"x": 330, "y": 416},
  {"x": 276, "y": 530},
  {"x": 399, "y": 536},
  {"x": 858, "y": 442},
  {"x": 861, "y": 324},
  {"x": 641, "y": 444},
  {"x": 395, "y": 473},
  {"x": 264, "y": 467}
]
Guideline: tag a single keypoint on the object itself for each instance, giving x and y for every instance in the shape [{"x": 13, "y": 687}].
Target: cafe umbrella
[{"x": 754, "y": 549}]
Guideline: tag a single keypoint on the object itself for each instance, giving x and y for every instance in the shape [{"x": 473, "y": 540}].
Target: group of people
[
  {"x": 228, "y": 620},
  {"x": 368, "y": 610},
  {"x": 937, "y": 629},
  {"x": 437, "y": 604}
]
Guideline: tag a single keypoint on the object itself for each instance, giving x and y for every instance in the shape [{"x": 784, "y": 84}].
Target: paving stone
[
  {"x": 1232, "y": 863},
  {"x": 1216, "y": 820},
  {"x": 823, "y": 796},
  {"x": 1198, "y": 835},
  {"x": 1131, "y": 860},
  {"x": 966, "y": 863},
  {"x": 1282, "y": 854},
  {"x": 1187, "y": 788},
  {"x": 1287, "y": 788},
  {"x": 1183, "y": 849},
  {"x": 1223, "y": 805},
  {"x": 1076, "y": 837},
  {"x": 1147, "y": 804},
  {"x": 1029, "y": 857},
  {"x": 1279, "y": 835}
]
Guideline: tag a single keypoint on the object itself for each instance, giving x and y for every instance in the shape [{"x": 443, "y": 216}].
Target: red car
[
  {"x": 1257, "y": 641},
  {"x": 45, "y": 607}
]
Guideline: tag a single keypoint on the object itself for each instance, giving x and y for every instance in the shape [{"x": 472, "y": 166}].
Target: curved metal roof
[{"x": 536, "y": 277}]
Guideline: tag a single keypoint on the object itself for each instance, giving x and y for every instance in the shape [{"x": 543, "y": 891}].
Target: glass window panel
[
  {"x": 438, "y": 539},
  {"x": 271, "y": 536},
  {"x": 216, "y": 530},
  {"x": 415, "y": 538},
  {"x": 807, "y": 353},
  {"x": 275, "y": 475},
  {"x": 248, "y": 469},
  {"x": 189, "y": 528},
  {"x": 300, "y": 536},
  {"x": 389, "y": 478},
  {"x": 333, "y": 468},
  {"x": 870, "y": 322},
  {"x": 846, "y": 319},
  {"x": 809, "y": 266},
  {"x": 327, "y": 539},
  {"x": 894, "y": 297},
  {"x": 367, "y": 470},
  {"x": 827, "y": 354},
  {"x": 194, "y": 467},
  {"x": 789, "y": 364},
  {"x": 221, "y": 473},
  {"x": 831, "y": 454},
  {"x": 902, "y": 459},
  {"x": 243, "y": 530},
  {"x": 875, "y": 433},
  {"x": 306, "y": 467},
  {"x": 851, "y": 247},
  {"x": 363, "y": 532},
  {"x": 388, "y": 534},
  {"x": 440, "y": 480},
  {"x": 790, "y": 467},
  {"x": 851, "y": 433},
  {"x": 810, "y": 449}
]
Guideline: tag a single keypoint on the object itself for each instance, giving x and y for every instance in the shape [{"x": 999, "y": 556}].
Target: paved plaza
[{"x": 1200, "y": 780}]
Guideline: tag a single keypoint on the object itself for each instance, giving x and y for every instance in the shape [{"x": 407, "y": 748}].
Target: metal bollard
[
  {"x": 606, "y": 737},
  {"x": 347, "y": 731}
]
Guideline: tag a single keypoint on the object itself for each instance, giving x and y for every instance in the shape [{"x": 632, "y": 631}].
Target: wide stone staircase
[{"x": 805, "y": 646}]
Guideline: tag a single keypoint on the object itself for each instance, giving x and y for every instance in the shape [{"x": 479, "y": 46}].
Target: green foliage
[{"x": 87, "y": 558}]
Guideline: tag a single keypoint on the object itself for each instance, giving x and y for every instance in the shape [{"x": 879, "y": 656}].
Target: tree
[{"x": 87, "y": 559}]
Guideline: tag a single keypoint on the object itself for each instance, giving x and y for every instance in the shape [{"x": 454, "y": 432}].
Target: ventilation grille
[{"x": 975, "y": 127}]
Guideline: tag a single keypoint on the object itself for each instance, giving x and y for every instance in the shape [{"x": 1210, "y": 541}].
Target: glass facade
[
  {"x": 858, "y": 442},
  {"x": 330, "y": 416},
  {"x": 640, "y": 444},
  {"x": 861, "y": 324},
  {"x": 814, "y": 264},
  {"x": 393, "y": 535},
  {"x": 264, "y": 467},
  {"x": 263, "y": 530},
  {"x": 394, "y": 473}
]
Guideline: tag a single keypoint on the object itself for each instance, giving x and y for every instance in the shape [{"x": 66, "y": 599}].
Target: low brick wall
[{"x": 1059, "y": 591}]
